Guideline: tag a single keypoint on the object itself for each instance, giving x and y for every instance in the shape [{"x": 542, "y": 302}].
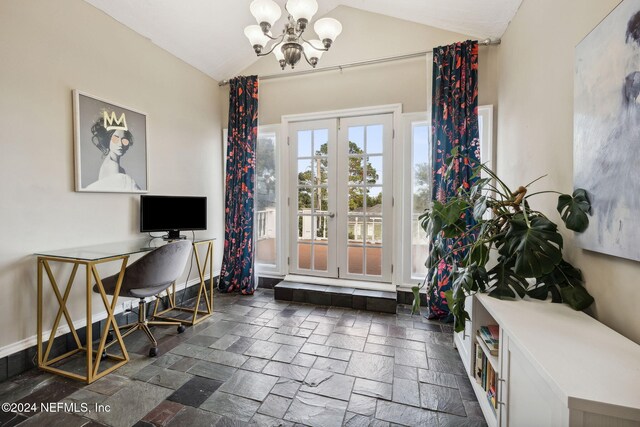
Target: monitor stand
[{"x": 174, "y": 235}]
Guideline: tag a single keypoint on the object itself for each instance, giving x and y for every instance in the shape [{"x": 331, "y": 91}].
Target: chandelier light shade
[
  {"x": 327, "y": 29},
  {"x": 311, "y": 51},
  {"x": 256, "y": 36},
  {"x": 302, "y": 9},
  {"x": 265, "y": 11},
  {"x": 291, "y": 46}
]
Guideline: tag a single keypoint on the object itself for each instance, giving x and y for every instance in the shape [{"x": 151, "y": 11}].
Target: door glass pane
[
  {"x": 356, "y": 139},
  {"x": 421, "y": 190},
  {"x": 304, "y": 256},
  {"x": 374, "y": 201},
  {"x": 321, "y": 200},
  {"x": 320, "y": 257},
  {"x": 355, "y": 233},
  {"x": 356, "y": 170},
  {"x": 355, "y": 255},
  {"x": 319, "y": 166},
  {"x": 305, "y": 172},
  {"x": 374, "y": 170},
  {"x": 320, "y": 228},
  {"x": 374, "y": 260},
  {"x": 304, "y": 143},
  {"x": 356, "y": 199},
  {"x": 320, "y": 141},
  {"x": 305, "y": 195},
  {"x": 374, "y": 230},
  {"x": 305, "y": 227},
  {"x": 374, "y": 139},
  {"x": 265, "y": 198}
]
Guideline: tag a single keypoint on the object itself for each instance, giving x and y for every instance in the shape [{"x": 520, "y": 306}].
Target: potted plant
[{"x": 509, "y": 243}]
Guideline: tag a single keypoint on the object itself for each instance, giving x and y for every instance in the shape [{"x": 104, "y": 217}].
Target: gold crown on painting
[{"x": 111, "y": 122}]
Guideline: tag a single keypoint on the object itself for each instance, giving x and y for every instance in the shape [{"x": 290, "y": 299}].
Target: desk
[{"x": 90, "y": 257}]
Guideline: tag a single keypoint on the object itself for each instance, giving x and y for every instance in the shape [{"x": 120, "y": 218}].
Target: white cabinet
[
  {"x": 528, "y": 401},
  {"x": 463, "y": 340},
  {"x": 555, "y": 367}
]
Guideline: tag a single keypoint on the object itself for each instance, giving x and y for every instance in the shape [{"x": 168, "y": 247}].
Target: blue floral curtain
[
  {"x": 237, "y": 261},
  {"x": 455, "y": 124}
]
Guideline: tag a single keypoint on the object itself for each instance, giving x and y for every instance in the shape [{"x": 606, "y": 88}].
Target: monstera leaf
[
  {"x": 446, "y": 218},
  {"x": 535, "y": 244},
  {"x": 576, "y": 297},
  {"x": 479, "y": 254},
  {"x": 565, "y": 285},
  {"x": 574, "y": 210},
  {"x": 506, "y": 281},
  {"x": 456, "y": 307}
]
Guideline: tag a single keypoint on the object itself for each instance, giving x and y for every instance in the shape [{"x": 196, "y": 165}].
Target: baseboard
[
  {"x": 17, "y": 357},
  {"x": 406, "y": 298},
  {"x": 266, "y": 282}
]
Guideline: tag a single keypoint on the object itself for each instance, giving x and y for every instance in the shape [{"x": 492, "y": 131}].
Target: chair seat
[
  {"x": 145, "y": 292},
  {"x": 109, "y": 284}
]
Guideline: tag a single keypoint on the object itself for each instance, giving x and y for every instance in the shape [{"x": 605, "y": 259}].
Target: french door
[{"x": 340, "y": 200}]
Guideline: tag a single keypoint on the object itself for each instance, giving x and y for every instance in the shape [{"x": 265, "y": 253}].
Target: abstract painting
[
  {"x": 606, "y": 150},
  {"x": 110, "y": 146}
]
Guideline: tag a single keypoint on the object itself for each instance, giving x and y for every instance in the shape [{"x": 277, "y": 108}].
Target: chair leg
[
  {"x": 181, "y": 327},
  {"x": 147, "y": 331},
  {"x": 143, "y": 324}
]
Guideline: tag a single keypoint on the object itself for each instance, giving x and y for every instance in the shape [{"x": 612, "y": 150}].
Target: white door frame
[{"x": 398, "y": 185}]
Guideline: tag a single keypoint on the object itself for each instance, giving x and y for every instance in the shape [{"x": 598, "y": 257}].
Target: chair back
[{"x": 160, "y": 267}]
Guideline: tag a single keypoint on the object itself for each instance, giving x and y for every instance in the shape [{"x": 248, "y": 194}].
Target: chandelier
[{"x": 291, "y": 46}]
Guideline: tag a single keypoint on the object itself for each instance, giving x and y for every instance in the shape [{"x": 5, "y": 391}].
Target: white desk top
[{"x": 585, "y": 360}]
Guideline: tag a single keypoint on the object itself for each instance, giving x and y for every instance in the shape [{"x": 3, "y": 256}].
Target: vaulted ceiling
[{"x": 208, "y": 34}]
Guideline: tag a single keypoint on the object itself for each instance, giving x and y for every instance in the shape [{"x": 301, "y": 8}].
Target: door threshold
[{"x": 344, "y": 283}]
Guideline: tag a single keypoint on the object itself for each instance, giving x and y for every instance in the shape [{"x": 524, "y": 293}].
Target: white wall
[
  {"x": 365, "y": 36},
  {"x": 49, "y": 48},
  {"x": 535, "y": 135}
]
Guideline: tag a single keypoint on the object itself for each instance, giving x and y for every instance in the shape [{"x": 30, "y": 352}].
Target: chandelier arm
[
  {"x": 324, "y": 49},
  {"x": 307, "y": 59},
  {"x": 274, "y": 38},
  {"x": 272, "y": 47}
]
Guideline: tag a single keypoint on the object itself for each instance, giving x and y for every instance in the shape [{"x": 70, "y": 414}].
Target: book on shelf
[
  {"x": 485, "y": 335},
  {"x": 494, "y": 330},
  {"x": 478, "y": 364},
  {"x": 485, "y": 376}
]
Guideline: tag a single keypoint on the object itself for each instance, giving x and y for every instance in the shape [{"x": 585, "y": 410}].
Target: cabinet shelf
[
  {"x": 485, "y": 349},
  {"x": 488, "y": 411}
]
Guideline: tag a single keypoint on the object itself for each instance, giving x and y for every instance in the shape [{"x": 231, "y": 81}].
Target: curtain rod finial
[{"x": 489, "y": 42}]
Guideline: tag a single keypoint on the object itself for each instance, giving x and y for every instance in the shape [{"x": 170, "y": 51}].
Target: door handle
[{"x": 331, "y": 214}]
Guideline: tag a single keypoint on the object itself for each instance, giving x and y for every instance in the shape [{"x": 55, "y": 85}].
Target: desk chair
[{"x": 148, "y": 276}]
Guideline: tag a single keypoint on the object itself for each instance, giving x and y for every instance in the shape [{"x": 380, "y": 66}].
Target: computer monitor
[{"x": 172, "y": 214}]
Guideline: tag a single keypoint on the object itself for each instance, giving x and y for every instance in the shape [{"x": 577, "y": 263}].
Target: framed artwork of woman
[{"x": 110, "y": 146}]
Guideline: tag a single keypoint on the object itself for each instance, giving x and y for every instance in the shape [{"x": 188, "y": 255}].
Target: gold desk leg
[
  {"x": 92, "y": 366},
  {"x": 89, "y": 328},
  {"x": 203, "y": 287},
  {"x": 110, "y": 320},
  {"x": 62, "y": 302},
  {"x": 202, "y": 290},
  {"x": 39, "y": 310},
  {"x": 211, "y": 273}
]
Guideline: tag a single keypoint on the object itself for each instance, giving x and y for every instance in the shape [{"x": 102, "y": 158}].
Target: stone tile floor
[{"x": 262, "y": 362}]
